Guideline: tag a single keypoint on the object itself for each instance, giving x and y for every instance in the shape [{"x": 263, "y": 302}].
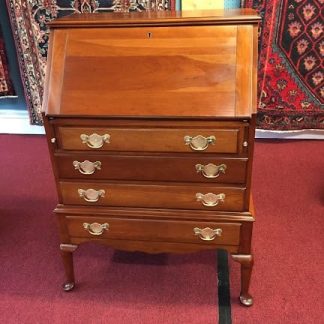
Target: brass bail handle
[
  {"x": 91, "y": 195},
  {"x": 210, "y": 199},
  {"x": 96, "y": 229},
  {"x": 211, "y": 171},
  {"x": 207, "y": 234},
  {"x": 199, "y": 142},
  {"x": 94, "y": 140},
  {"x": 86, "y": 167}
]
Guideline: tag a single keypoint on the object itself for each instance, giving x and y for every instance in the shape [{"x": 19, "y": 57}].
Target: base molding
[
  {"x": 294, "y": 134},
  {"x": 17, "y": 122}
]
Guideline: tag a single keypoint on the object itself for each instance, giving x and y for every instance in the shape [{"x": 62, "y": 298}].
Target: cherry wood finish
[
  {"x": 153, "y": 195},
  {"x": 246, "y": 262},
  {"x": 168, "y": 18},
  {"x": 125, "y": 96},
  {"x": 151, "y": 167},
  {"x": 145, "y": 230},
  {"x": 151, "y": 139},
  {"x": 66, "y": 253}
]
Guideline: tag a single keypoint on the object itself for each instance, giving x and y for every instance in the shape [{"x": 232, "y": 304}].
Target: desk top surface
[{"x": 227, "y": 16}]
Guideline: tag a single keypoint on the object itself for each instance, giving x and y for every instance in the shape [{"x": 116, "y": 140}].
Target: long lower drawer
[
  {"x": 153, "y": 230},
  {"x": 150, "y": 195}
]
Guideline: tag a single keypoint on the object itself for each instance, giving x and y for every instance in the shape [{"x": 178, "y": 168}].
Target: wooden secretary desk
[{"x": 150, "y": 125}]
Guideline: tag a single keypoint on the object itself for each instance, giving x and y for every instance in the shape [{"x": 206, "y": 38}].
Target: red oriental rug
[
  {"x": 291, "y": 74},
  {"x": 6, "y": 88},
  {"x": 29, "y": 24}
]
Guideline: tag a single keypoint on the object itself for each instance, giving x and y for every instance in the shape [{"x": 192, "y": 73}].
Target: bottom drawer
[{"x": 154, "y": 230}]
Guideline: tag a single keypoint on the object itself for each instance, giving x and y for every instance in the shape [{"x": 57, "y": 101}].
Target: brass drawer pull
[
  {"x": 210, "y": 199},
  {"x": 91, "y": 195},
  {"x": 211, "y": 170},
  {"x": 96, "y": 228},
  {"x": 199, "y": 143},
  {"x": 87, "y": 167},
  {"x": 207, "y": 234},
  {"x": 94, "y": 140}
]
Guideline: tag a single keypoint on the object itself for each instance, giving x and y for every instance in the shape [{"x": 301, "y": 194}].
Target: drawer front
[
  {"x": 153, "y": 196},
  {"x": 151, "y": 168},
  {"x": 154, "y": 230},
  {"x": 227, "y": 140}
]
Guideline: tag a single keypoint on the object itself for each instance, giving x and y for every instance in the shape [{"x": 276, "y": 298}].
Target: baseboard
[
  {"x": 317, "y": 134},
  {"x": 17, "y": 122}
]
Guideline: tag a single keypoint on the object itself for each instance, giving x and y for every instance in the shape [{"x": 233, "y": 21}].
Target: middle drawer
[
  {"x": 149, "y": 195},
  {"x": 151, "y": 168}
]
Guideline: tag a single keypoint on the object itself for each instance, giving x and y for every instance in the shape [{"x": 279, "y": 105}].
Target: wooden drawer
[
  {"x": 153, "y": 195},
  {"x": 188, "y": 140},
  {"x": 153, "y": 230},
  {"x": 151, "y": 168}
]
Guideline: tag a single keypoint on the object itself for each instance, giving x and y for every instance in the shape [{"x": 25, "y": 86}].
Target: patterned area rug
[
  {"x": 29, "y": 18},
  {"x": 291, "y": 74},
  {"x": 6, "y": 87}
]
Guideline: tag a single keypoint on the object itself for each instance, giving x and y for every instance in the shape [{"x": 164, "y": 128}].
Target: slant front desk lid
[{"x": 153, "y": 64}]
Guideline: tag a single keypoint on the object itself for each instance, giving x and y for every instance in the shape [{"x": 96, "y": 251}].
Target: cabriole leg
[
  {"x": 67, "y": 256},
  {"x": 246, "y": 262}
]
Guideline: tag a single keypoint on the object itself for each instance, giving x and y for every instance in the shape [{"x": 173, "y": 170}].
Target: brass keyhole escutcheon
[{"x": 149, "y": 35}]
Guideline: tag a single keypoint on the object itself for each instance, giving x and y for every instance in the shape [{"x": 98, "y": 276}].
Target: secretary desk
[{"x": 150, "y": 121}]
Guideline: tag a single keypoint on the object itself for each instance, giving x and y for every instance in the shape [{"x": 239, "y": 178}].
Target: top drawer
[{"x": 210, "y": 140}]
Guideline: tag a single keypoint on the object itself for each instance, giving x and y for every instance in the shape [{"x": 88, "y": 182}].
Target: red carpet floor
[
  {"x": 119, "y": 287},
  {"x": 288, "y": 278}
]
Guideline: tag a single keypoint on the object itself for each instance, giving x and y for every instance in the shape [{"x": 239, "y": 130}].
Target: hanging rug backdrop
[
  {"x": 29, "y": 20},
  {"x": 6, "y": 87},
  {"x": 291, "y": 74}
]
